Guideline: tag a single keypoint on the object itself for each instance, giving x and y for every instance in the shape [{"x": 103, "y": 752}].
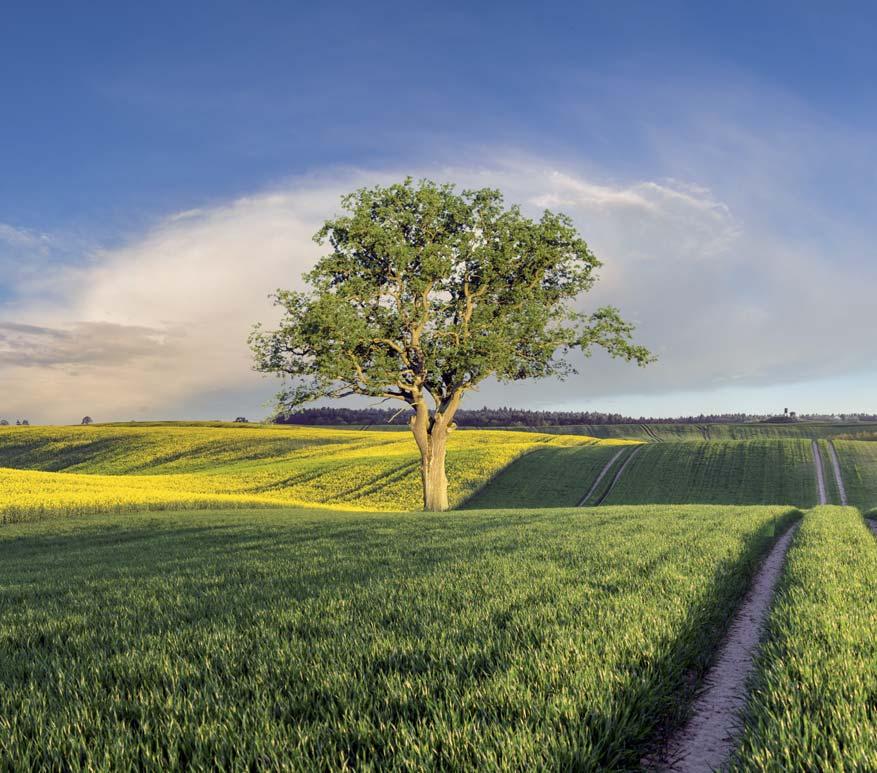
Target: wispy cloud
[
  {"x": 83, "y": 343},
  {"x": 20, "y": 237}
]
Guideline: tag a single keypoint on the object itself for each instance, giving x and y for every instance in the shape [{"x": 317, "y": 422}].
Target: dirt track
[
  {"x": 600, "y": 477},
  {"x": 820, "y": 474},
  {"x": 619, "y": 474},
  {"x": 835, "y": 464},
  {"x": 709, "y": 738}
]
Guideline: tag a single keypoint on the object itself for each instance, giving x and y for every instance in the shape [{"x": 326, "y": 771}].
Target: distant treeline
[{"x": 516, "y": 417}]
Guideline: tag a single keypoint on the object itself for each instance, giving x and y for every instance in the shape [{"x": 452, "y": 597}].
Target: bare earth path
[
  {"x": 710, "y": 737},
  {"x": 820, "y": 474},
  {"x": 600, "y": 477},
  {"x": 619, "y": 474},
  {"x": 835, "y": 464}
]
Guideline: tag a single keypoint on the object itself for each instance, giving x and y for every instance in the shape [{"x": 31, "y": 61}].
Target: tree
[
  {"x": 241, "y": 420},
  {"x": 4, "y": 422},
  {"x": 426, "y": 292},
  {"x": 87, "y": 420}
]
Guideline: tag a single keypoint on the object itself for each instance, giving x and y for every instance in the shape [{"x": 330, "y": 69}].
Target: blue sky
[{"x": 162, "y": 165}]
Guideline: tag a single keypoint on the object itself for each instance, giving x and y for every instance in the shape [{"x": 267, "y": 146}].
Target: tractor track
[
  {"x": 835, "y": 465},
  {"x": 820, "y": 474},
  {"x": 650, "y": 433},
  {"x": 708, "y": 739},
  {"x": 617, "y": 477},
  {"x": 600, "y": 477}
]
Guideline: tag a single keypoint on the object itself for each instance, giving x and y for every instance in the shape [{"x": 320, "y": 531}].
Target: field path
[
  {"x": 709, "y": 738},
  {"x": 618, "y": 475},
  {"x": 600, "y": 477},
  {"x": 835, "y": 464},
  {"x": 820, "y": 474}
]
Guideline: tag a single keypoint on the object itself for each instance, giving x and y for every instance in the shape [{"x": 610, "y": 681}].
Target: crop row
[
  {"x": 741, "y": 472},
  {"x": 547, "y": 477},
  {"x": 485, "y": 640},
  {"x": 109, "y": 468},
  {"x": 814, "y": 706}
]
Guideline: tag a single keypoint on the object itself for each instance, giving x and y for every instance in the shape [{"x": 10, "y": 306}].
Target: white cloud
[
  {"x": 144, "y": 329},
  {"x": 20, "y": 237}
]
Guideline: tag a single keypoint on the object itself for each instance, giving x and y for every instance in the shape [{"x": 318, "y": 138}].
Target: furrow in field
[
  {"x": 820, "y": 474},
  {"x": 835, "y": 464},
  {"x": 618, "y": 475},
  {"x": 650, "y": 433},
  {"x": 600, "y": 477},
  {"x": 709, "y": 738}
]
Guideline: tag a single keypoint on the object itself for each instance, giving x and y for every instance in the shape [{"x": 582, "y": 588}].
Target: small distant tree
[
  {"x": 25, "y": 423},
  {"x": 425, "y": 293},
  {"x": 4, "y": 423},
  {"x": 242, "y": 420},
  {"x": 87, "y": 420}
]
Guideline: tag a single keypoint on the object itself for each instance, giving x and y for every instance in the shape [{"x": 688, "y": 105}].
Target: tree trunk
[
  {"x": 432, "y": 467},
  {"x": 432, "y": 437}
]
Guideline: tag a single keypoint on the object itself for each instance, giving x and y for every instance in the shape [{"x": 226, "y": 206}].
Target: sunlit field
[
  {"x": 257, "y": 596},
  {"x": 104, "y": 468}
]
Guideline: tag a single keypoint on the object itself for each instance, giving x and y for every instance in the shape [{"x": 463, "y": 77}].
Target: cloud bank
[{"x": 141, "y": 331}]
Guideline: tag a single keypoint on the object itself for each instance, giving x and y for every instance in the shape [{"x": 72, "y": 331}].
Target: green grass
[
  {"x": 815, "y": 701},
  {"x": 720, "y": 472},
  {"x": 831, "y": 489},
  {"x": 546, "y": 477},
  {"x": 858, "y": 463},
  {"x": 317, "y": 640},
  {"x": 118, "y": 468}
]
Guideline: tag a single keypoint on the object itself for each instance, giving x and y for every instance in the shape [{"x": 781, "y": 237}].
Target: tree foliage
[{"x": 425, "y": 290}]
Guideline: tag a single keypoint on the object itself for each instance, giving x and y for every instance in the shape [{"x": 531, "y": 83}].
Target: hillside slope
[
  {"x": 547, "y": 477},
  {"x": 698, "y": 432},
  {"x": 720, "y": 472},
  {"x": 117, "y": 467}
]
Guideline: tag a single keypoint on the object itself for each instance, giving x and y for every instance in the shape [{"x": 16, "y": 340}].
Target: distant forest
[{"x": 516, "y": 417}]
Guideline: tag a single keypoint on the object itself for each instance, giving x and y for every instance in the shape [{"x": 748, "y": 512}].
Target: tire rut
[
  {"x": 617, "y": 477},
  {"x": 820, "y": 474},
  {"x": 710, "y": 736},
  {"x": 835, "y": 464},
  {"x": 600, "y": 477}
]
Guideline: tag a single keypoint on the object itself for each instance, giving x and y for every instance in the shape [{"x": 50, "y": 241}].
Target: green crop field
[
  {"x": 547, "y": 477},
  {"x": 697, "y": 432},
  {"x": 519, "y": 633},
  {"x": 814, "y": 706},
  {"x": 315, "y": 639},
  {"x": 720, "y": 472},
  {"x": 73, "y": 470},
  {"x": 858, "y": 461}
]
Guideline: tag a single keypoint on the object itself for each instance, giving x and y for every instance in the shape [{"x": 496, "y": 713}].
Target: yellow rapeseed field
[{"x": 73, "y": 470}]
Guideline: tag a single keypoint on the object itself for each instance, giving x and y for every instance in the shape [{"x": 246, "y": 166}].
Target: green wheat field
[{"x": 206, "y": 596}]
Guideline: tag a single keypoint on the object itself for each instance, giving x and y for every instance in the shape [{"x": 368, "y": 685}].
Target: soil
[
  {"x": 709, "y": 738},
  {"x": 820, "y": 474},
  {"x": 835, "y": 464}
]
